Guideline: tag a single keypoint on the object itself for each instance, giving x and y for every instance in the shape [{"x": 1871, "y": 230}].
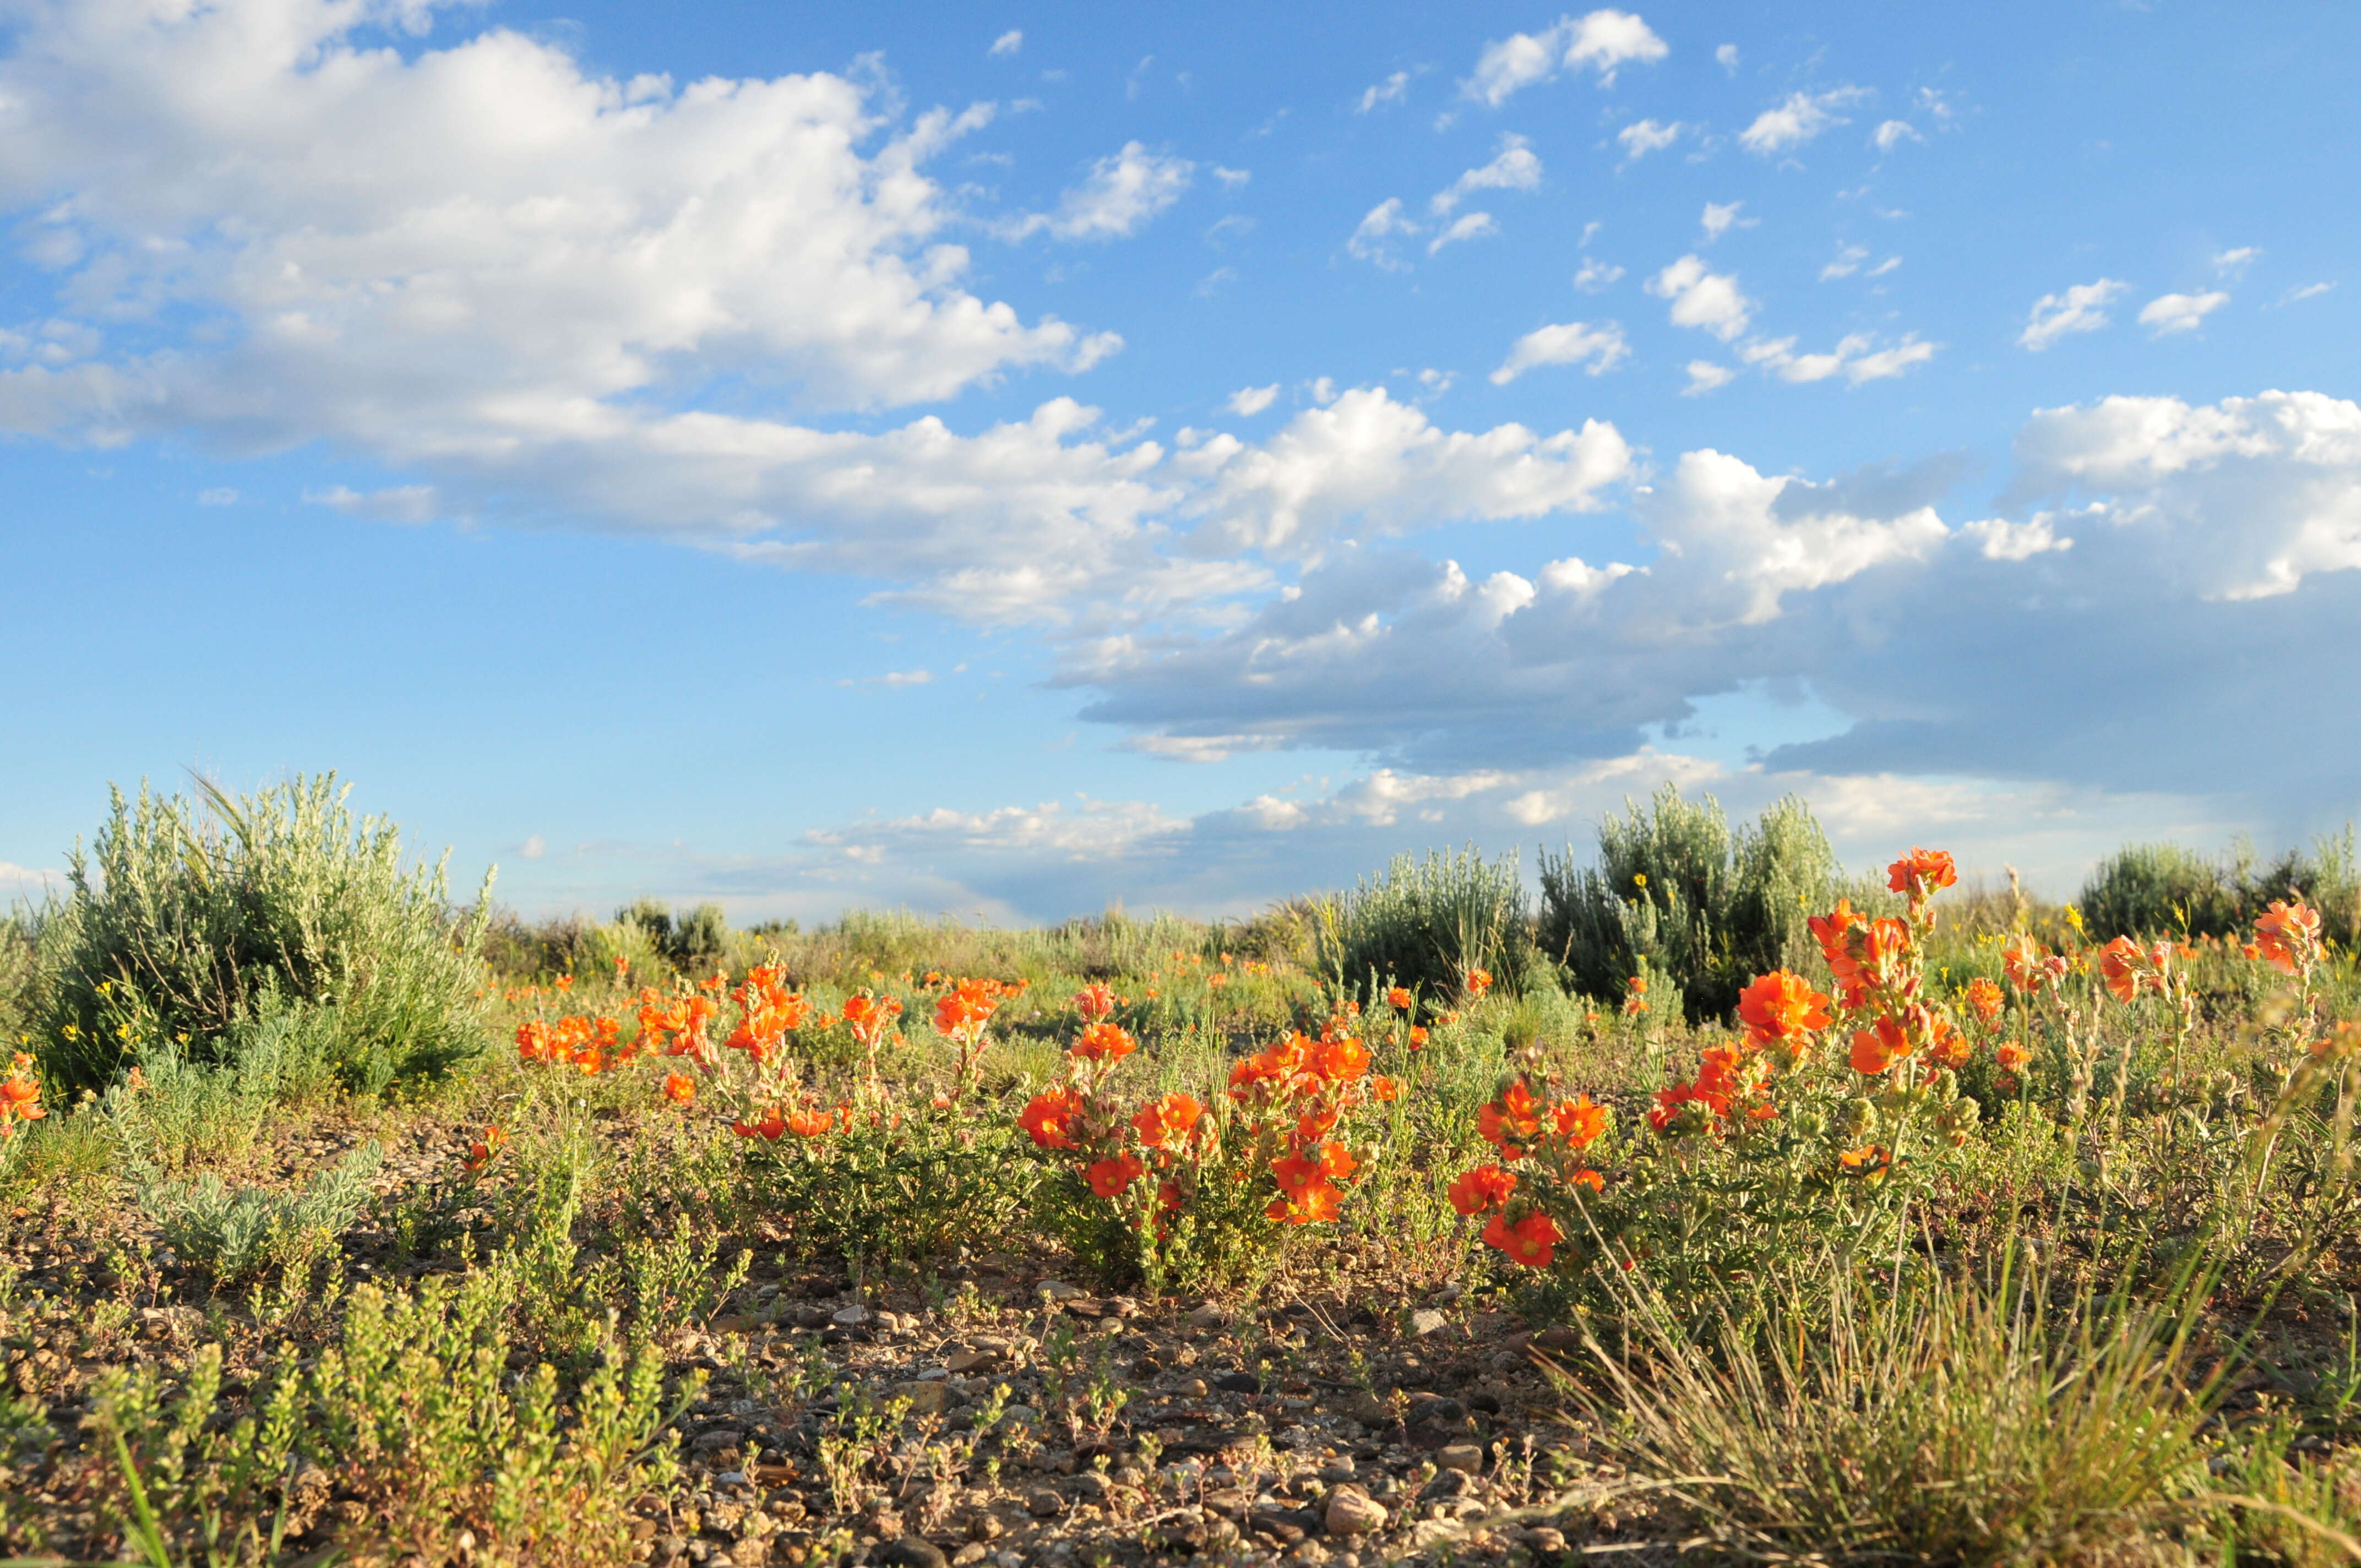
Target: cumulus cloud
[
  {"x": 1513, "y": 168},
  {"x": 1642, "y": 138},
  {"x": 2170, "y": 313},
  {"x": 374, "y": 228},
  {"x": 1855, "y": 357},
  {"x": 1247, "y": 402},
  {"x": 1703, "y": 299},
  {"x": 1570, "y": 343},
  {"x": 1891, "y": 133},
  {"x": 2082, "y": 308},
  {"x": 1392, "y": 90},
  {"x": 1726, "y": 56},
  {"x": 1798, "y": 119},
  {"x": 1594, "y": 276},
  {"x": 1720, "y": 217},
  {"x": 1705, "y": 375},
  {"x": 1373, "y": 239},
  {"x": 1466, "y": 226},
  {"x": 1603, "y": 41},
  {"x": 1123, "y": 192}
]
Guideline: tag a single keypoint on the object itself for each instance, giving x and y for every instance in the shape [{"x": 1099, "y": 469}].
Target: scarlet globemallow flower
[
  {"x": 680, "y": 1089},
  {"x": 1577, "y": 1121},
  {"x": 1383, "y": 1088},
  {"x": 1344, "y": 1060},
  {"x": 1486, "y": 1187},
  {"x": 1417, "y": 1038},
  {"x": 1874, "y": 1050},
  {"x": 2119, "y": 966},
  {"x": 1478, "y": 981},
  {"x": 480, "y": 1152},
  {"x": 1095, "y": 1001},
  {"x": 1984, "y": 1000},
  {"x": 1315, "y": 1204},
  {"x": 1509, "y": 1121},
  {"x": 2010, "y": 1056},
  {"x": 1921, "y": 873},
  {"x": 1531, "y": 1242},
  {"x": 1111, "y": 1178},
  {"x": 2287, "y": 936},
  {"x": 1174, "y": 1118},
  {"x": 1105, "y": 1043},
  {"x": 1780, "y": 1006},
  {"x": 1399, "y": 999},
  {"x": 1048, "y": 1118}
]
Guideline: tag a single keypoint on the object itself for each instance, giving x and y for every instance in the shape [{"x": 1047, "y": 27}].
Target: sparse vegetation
[{"x": 1857, "y": 1220}]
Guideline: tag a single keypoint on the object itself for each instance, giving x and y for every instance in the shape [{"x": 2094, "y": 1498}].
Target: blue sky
[{"x": 1005, "y": 460}]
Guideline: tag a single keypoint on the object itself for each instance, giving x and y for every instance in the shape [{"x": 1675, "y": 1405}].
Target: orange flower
[
  {"x": 1344, "y": 1060},
  {"x": 1095, "y": 1001},
  {"x": 1781, "y": 1007},
  {"x": 1984, "y": 1000},
  {"x": 1048, "y": 1119},
  {"x": 1111, "y": 1178},
  {"x": 872, "y": 1017},
  {"x": 1871, "y": 1161},
  {"x": 480, "y": 1152},
  {"x": 1531, "y": 1242},
  {"x": 1579, "y": 1122},
  {"x": 1315, "y": 1204},
  {"x": 1298, "y": 1173},
  {"x": 2010, "y": 1056},
  {"x": 2119, "y": 966},
  {"x": 1511, "y": 1120},
  {"x": 1921, "y": 873},
  {"x": 1478, "y": 981},
  {"x": 1174, "y": 1118},
  {"x": 1383, "y": 1088},
  {"x": 2287, "y": 936},
  {"x": 1590, "y": 1178},
  {"x": 1948, "y": 1046},
  {"x": 680, "y": 1089},
  {"x": 1486, "y": 1187},
  {"x": 1399, "y": 999},
  {"x": 2029, "y": 966},
  {"x": 1417, "y": 1038},
  {"x": 1336, "y": 1162},
  {"x": 1874, "y": 1050},
  {"x": 1105, "y": 1043},
  {"x": 810, "y": 1121}
]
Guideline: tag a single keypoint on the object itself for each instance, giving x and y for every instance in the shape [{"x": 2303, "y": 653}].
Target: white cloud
[
  {"x": 221, "y": 496},
  {"x": 1848, "y": 262},
  {"x": 1007, "y": 43},
  {"x": 2233, "y": 263},
  {"x": 1705, "y": 375},
  {"x": 1702, "y": 299},
  {"x": 1123, "y": 193},
  {"x": 2079, "y": 309},
  {"x": 1594, "y": 276},
  {"x": 894, "y": 680},
  {"x": 1366, "y": 461},
  {"x": 533, "y": 848},
  {"x": 1247, "y": 402},
  {"x": 1513, "y": 168},
  {"x": 1468, "y": 226},
  {"x": 1642, "y": 138},
  {"x": 2170, "y": 313},
  {"x": 1891, "y": 133},
  {"x": 1997, "y": 539},
  {"x": 2239, "y": 500},
  {"x": 1796, "y": 119},
  {"x": 1383, "y": 224},
  {"x": 1883, "y": 268},
  {"x": 26, "y": 883},
  {"x": 1604, "y": 40},
  {"x": 2309, "y": 291},
  {"x": 1571, "y": 343},
  {"x": 1232, "y": 178},
  {"x": 1392, "y": 90},
  {"x": 1720, "y": 217},
  {"x": 1726, "y": 56},
  {"x": 1855, "y": 357},
  {"x": 398, "y": 503}
]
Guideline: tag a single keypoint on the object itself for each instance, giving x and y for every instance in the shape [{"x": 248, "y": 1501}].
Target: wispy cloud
[{"x": 2082, "y": 308}]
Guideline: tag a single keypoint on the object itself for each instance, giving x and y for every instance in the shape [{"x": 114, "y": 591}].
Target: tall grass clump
[
  {"x": 1426, "y": 922},
  {"x": 2148, "y": 889},
  {"x": 2002, "y": 1420},
  {"x": 184, "y": 917},
  {"x": 1675, "y": 891}
]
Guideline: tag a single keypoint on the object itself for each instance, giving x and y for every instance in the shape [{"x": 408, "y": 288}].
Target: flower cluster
[
  {"x": 20, "y": 1095},
  {"x": 1549, "y": 1141},
  {"x": 591, "y": 1044}
]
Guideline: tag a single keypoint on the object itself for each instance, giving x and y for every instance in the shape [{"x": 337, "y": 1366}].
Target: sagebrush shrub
[
  {"x": 181, "y": 919},
  {"x": 2148, "y": 889},
  {"x": 233, "y": 1232},
  {"x": 1677, "y": 891},
  {"x": 1427, "y": 923}
]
